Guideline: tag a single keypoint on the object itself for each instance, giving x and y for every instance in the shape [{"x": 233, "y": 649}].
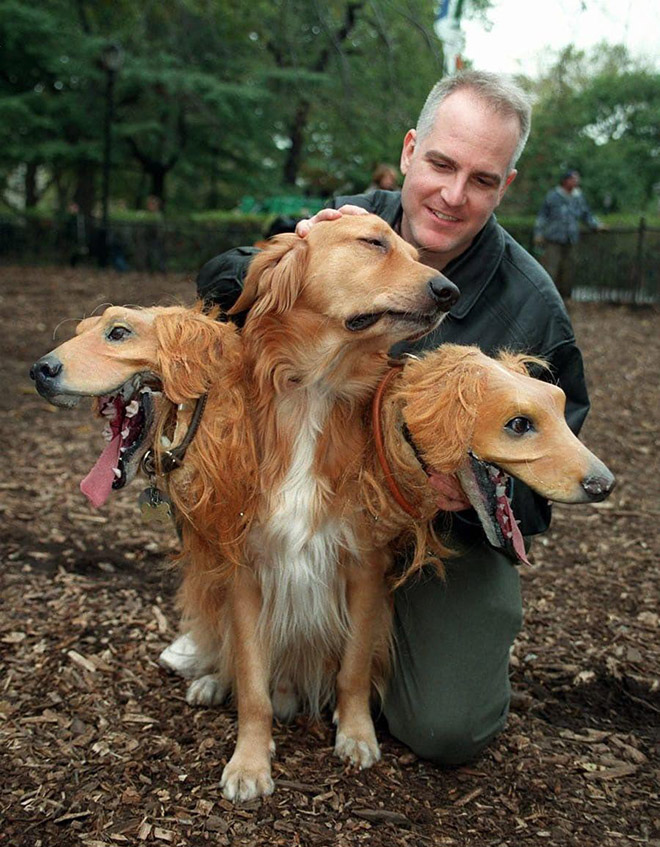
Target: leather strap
[
  {"x": 170, "y": 460},
  {"x": 376, "y": 410}
]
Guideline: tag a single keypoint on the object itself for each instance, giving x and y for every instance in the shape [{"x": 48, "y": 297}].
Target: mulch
[{"x": 98, "y": 746}]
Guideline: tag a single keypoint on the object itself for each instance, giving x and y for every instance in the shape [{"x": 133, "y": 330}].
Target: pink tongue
[
  {"x": 97, "y": 485},
  {"x": 512, "y": 526}
]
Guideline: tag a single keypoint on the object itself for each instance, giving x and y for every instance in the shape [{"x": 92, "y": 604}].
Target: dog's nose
[
  {"x": 45, "y": 369},
  {"x": 444, "y": 292},
  {"x": 599, "y": 486}
]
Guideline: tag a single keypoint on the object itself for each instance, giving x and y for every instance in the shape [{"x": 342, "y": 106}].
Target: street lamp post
[{"x": 111, "y": 60}]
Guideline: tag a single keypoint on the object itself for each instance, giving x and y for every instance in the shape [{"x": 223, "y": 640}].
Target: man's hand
[
  {"x": 450, "y": 497},
  {"x": 303, "y": 227}
]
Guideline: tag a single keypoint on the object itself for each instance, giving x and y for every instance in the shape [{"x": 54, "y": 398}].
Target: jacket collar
[{"x": 473, "y": 270}]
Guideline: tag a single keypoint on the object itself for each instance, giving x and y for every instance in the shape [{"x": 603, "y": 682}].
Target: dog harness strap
[
  {"x": 408, "y": 437},
  {"x": 380, "y": 444},
  {"x": 171, "y": 459}
]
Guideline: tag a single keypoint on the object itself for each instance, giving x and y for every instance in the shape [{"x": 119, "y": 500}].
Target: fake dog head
[
  {"x": 126, "y": 358},
  {"x": 350, "y": 284},
  {"x": 485, "y": 419}
]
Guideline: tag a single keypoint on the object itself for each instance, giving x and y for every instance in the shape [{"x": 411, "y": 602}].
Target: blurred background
[{"x": 152, "y": 136}]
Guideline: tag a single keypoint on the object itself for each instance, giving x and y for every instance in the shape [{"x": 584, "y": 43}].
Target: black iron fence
[
  {"x": 618, "y": 265},
  {"x": 621, "y": 264},
  {"x": 153, "y": 246}
]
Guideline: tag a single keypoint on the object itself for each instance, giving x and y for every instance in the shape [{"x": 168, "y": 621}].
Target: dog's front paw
[
  {"x": 208, "y": 690},
  {"x": 243, "y": 780},
  {"x": 359, "y": 748}
]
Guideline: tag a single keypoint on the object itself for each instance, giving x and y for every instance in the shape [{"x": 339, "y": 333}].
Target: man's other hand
[
  {"x": 303, "y": 227},
  {"x": 450, "y": 496}
]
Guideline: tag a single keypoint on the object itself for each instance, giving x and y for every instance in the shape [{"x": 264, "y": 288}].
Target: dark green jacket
[{"x": 507, "y": 302}]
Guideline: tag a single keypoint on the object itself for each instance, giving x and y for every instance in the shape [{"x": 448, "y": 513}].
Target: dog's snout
[
  {"x": 45, "y": 369},
  {"x": 599, "y": 486},
  {"x": 444, "y": 292}
]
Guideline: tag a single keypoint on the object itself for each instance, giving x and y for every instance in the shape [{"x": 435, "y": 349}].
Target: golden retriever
[
  {"x": 323, "y": 312},
  {"x": 288, "y": 625}
]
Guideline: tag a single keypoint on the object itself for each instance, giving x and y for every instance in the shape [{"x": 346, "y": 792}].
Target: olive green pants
[
  {"x": 449, "y": 693},
  {"x": 558, "y": 262}
]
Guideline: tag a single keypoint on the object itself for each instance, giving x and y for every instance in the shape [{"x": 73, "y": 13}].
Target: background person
[
  {"x": 449, "y": 694},
  {"x": 557, "y": 229},
  {"x": 384, "y": 177}
]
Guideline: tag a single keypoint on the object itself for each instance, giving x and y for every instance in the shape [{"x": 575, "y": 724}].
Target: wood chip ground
[{"x": 97, "y": 744}]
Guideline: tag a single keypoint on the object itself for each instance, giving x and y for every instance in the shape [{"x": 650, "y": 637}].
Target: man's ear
[
  {"x": 507, "y": 182},
  {"x": 408, "y": 149}
]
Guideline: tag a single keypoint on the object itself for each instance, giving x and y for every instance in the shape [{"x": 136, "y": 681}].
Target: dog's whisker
[
  {"x": 61, "y": 324},
  {"x": 103, "y": 306}
]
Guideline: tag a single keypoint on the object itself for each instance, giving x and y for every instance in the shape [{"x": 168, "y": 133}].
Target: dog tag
[{"x": 155, "y": 506}]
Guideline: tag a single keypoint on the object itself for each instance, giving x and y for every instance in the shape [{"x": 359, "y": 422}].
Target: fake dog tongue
[
  {"x": 485, "y": 487},
  {"x": 97, "y": 485}
]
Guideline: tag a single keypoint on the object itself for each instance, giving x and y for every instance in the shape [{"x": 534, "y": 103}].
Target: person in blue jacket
[{"x": 557, "y": 229}]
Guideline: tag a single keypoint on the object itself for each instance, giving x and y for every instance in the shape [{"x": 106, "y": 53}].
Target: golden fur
[
  {"x": 306, "y": 610},
  {"x": 307, "y": 616},
  {"x": 457, "y": 400},
  {"x": 214, "y": 493},
  {"x": 285, "y": 572}
]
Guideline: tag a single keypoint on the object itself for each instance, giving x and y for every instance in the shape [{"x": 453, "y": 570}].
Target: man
[
  {"x": 450, "y": 690},
  {"x": 557, "y": 229}
]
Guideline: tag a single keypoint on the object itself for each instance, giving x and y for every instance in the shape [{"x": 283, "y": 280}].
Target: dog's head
[
  {"x": 351, "y": 280},
  {"x": 127, "y": 359},
  {"x": 486, "y": 419}
]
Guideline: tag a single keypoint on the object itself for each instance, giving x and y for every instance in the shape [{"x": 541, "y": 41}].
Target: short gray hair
[{"x": 499, "y": 92}]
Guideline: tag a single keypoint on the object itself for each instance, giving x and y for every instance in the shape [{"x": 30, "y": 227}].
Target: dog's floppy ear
[
  {"x": 275, "y": 276},
  {"x": 190, "y": 352},
  {"x": 441, "y": 394}
]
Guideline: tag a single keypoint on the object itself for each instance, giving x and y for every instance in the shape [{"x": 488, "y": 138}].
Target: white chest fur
[{"x": 297, "y": 552}]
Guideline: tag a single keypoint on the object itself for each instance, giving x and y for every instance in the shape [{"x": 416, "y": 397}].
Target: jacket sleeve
[
  {"x": 544, "y": 215},
  {"x": 220, "y": 281},
  {"x": 586, "y": 215},
  {"x": 568, "y": 370}
]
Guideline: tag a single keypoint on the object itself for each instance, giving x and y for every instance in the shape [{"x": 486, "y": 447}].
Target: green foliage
[
  {"x": 217, "y": 100},
  {"x": 598, "y": 112},
  {"x": 214, "y": 99}
]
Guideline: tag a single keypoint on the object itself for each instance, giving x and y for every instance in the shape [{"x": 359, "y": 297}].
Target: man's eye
[
  {"x": 118, "y": 333},
  {"x": 519, "y": 426},
  {"x": 485, "y": 183}
]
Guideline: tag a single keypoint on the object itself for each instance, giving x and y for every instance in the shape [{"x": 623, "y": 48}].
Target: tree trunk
[
  {"x": 31, "y": 191},
  {"x": 297, "y": 135}
]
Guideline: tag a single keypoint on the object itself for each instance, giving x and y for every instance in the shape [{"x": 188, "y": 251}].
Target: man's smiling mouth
[{"x": 444, "y": 217}]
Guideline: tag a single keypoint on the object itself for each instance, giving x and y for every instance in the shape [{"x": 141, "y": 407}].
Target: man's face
[{"x": 455, "y": 176}]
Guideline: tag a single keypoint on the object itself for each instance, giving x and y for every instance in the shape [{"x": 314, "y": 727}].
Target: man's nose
[{"x": 454, "y": 192}]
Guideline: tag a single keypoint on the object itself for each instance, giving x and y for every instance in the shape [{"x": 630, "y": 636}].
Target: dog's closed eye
[{"x": 379, "y": 243}]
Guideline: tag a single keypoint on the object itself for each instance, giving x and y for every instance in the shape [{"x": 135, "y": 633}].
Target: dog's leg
[
  {"x": 366, "y": 594},
  {"x": 247, "y": 774}
]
